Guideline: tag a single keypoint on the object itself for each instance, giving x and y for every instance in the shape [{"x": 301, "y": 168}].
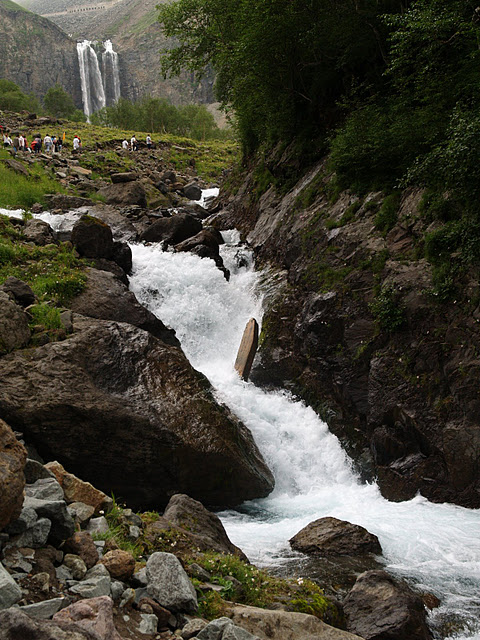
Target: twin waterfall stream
[
  {"x": 436, "y": 547},
  {"x": 99, "y": 76}
]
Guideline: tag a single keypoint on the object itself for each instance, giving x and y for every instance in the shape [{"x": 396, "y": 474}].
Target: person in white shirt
[
  {"x": 133, "y": 143},
  {"x": 47, "y": 141},
  {"x": 149, "y": 141},
  {"x": 76, "y": 143},
  {"x": 125, "y": 144}
]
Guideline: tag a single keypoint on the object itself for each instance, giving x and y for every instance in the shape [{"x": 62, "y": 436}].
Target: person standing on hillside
[
  {"x": 47, "y": 141},
  {"x": 77, "y": 143},
  {"x": 149, "y": 141},
  {"x": 133, "y": 143},
  {"x": 21, "y": 143},
  {"x": 125, "y": 144}
]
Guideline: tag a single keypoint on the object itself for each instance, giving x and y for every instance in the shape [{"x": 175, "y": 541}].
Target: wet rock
[
  {"x": 203, "y": 527},
  {"x": 330, "y": 536},
  {"x": 138, "y": 390},
  {"x": 381, "y": 607},
  {"x": 172, "y": 230},
  {"x": 20, "y": 290},
  {"x": 168, "y": 583},
  {"x": 12, "y": 479},
  {"x": 92, "y": 238},
  {"x": 14, "y": 330},
  {"x": 107, "y": 298},
  {"x": 247, "y": 349},
  {"x": 120, "y": 564}
]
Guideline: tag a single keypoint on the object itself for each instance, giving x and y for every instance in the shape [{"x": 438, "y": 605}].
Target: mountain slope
[{"x": 35, "y": 53}]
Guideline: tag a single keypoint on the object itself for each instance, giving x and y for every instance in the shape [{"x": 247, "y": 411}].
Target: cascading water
[
  {"x": 100, "y": 83},
  {"x": 437, "y": 547},
  {"x": 111, "y": 74},
  {"x": 434, "y": 546},
  {"x": 93, "y": 93}
]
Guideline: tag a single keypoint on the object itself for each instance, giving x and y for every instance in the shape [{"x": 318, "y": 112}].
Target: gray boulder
[
  {"x": 27, "y": 518},
  {"x": 56, "y": 511},
  {"x": 125, "y": 193},
  {"x": 169, "y": 585},
  {"x": 90, "y": 400},
  {"x": 36, "y": 536},
  {"x": 38, "y": 232},
  {"x": 20, "y": 290},
  {"x": 10, "y": 592},
  {"x": 45, "y": 489},
  {"x": 192, "y": 191},
  {"x": 14, "y": 330},
  {"x": 378, "y": 607},
  {"x": 45, "y": 609},
  {"x": 224, "y": 629},
  {"x": 172, "y": 230},
  {"x": 107, "y": 298},
  {"x": 203, "y": 527},
  {"x": 333, "y": 537}
]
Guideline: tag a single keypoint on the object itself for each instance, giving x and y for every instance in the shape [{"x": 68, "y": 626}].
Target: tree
[
  {"x": 12, "y": 97},
  {"x": 59, "y": 103}
]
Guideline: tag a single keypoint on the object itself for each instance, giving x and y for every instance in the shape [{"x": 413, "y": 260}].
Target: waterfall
[
  {"x": 100, "y": 83},
  {"x": 435, "y": 546},
  {"x": 111, "y": 74}
]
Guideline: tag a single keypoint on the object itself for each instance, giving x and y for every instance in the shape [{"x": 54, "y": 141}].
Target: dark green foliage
[
  {"x": 388, "y": 309},
  {"x": 386, "y": 217},
  {"x": 157, "y": 115},
  {"x": 12, "y": 97},
  {"x": 59, "y": 103},
  {"x": 281, "y": 64}
]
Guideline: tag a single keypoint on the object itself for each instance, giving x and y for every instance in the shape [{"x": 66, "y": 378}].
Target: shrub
[
  {"x": 387, "y": 215},
  {"x": 388, "y": 310}
]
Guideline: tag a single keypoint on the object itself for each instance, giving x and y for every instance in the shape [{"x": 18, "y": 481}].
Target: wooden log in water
[{"x": 248, "y": 348}]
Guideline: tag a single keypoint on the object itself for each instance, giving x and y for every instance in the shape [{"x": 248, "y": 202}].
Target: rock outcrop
[
  {"x": 353, "y": 331},
  {"x": 128, "y": 413}
]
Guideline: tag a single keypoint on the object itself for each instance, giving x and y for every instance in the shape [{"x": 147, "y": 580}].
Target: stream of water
[{"x": 436, "y": 547}]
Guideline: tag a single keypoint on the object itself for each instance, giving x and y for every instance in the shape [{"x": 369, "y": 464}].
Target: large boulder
[
  {"x": 14, "y": 330},
  {"x": 169, "y": 585},
  {"x": 203, "y": 527},
  {"x": 92, "y": 238},
  {"x": 128, "y": 413},
  {"x": 379, "y": 607},
  {"x": 38, "y": 232},
  {"x": 333, "y": 537},
  {"x": 94, "y": 616},
  {"x": 285, "y": 625},
  {"x": 125, "y": 193},
  {"x": 172, "y": 230},
  {"x": 12, "y": 479},
  {"x": 107, "y": 298}
]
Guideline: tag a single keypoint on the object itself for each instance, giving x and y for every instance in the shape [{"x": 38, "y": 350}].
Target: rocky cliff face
[
  {"x": 36, "y": 54},
  {"x": 137, "y": 37},
  {"x": 355, "y": 330}
]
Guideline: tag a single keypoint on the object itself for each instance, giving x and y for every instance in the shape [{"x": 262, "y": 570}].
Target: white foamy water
[{"x": 437, "y": 547}]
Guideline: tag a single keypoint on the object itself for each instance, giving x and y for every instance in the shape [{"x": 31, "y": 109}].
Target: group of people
[
  {"x": 133, "y": 146},
  {"x": 19, "y": 143}
]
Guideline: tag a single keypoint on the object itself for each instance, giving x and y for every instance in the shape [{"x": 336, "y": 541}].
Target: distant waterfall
[
  {"x": 100, "y": 83},
  {"x": 111, "y": 75}
]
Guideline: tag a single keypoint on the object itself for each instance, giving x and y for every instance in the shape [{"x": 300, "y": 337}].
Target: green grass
[{"x": 21, "y": 192}]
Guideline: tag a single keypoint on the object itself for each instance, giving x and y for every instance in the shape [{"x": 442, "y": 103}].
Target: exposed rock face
[
  {"x": 330, "y": 536},
  {"x": 113, "y": 393},
  {"x": 36, "y": 54},
  {"x": 285, "y": 625},
  {"x": 379, "y": 607},
  {"x": 403, "y": 402},
  {"x": 107, "y": 298},
  {"x": 12, "y": 479},
  {"x": 202, "y": 526}
]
